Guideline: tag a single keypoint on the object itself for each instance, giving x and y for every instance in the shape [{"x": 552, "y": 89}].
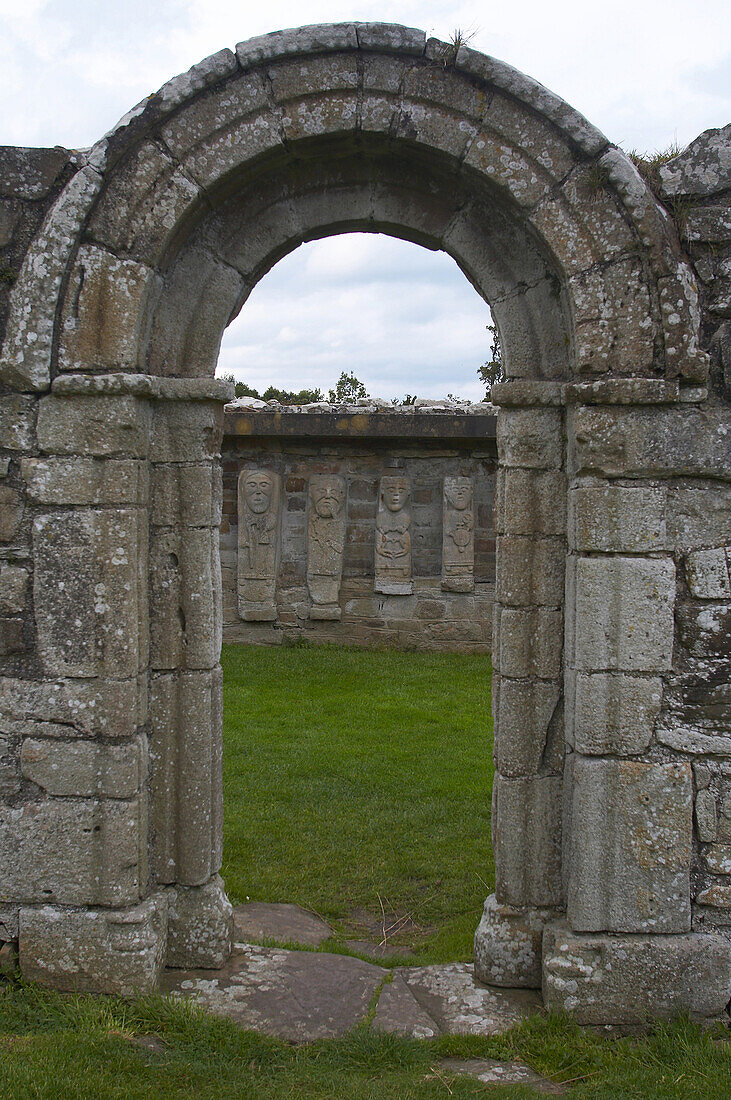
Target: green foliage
[
  {"x": 345, "y": 788},
  {"x": 347, "y": 390},
  {"x": 649, "y": 164},
  {"x": 284, "y": 397},
  {"x": 492, "y": 371},
  {"x": 450, "y": 49}
]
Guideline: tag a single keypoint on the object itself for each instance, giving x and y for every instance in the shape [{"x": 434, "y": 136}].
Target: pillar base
[
  {"x": 605, "y": 978},
  {"x": 508, "y": 945},
  {"x": 95, "y": 950},
  {"x": 200, "y": 926}
]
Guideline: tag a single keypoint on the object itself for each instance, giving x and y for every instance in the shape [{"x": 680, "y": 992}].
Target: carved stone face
[
  {"x": 258, "y": 491},
  {"x": 328, "y": 499},
  {"x": 458, "y": 492},
  {"x": 395, "y": 493}
]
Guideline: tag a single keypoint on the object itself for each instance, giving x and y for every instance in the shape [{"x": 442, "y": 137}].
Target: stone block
[
  {"x": 74, "y": 851},
  {"x": 706, "y": 816},
  {"x": 93, "y": 425},
  {"x": 528, "y": 737},
  {"x": 531, "y": 438},
  {"x": 104, "y": 312},
  {"x": 527, "y": 841},
  {"x": 17, "y": 422},
  {"x": 185, "y": 613},
  {"x": 187, "y": 431},
  {"x": 717, "y": 858},
  {"x": 508, "y": 945},
  {"x": 623, "y": 615},
  {"x": 85, "y": 592},
  {"x": 631, "y": 829},
  {"x": 531, "y": 502},
  {"x": 698, "y": 518},
  {"x": 612, "y": 315},
  {"x": 118, "y": 951},
  {"x": 80, "y": 708},
  {"x": 707, "y": 574},
  {"x": 84, "y": 769},
  {"x": 89, "y": 481},
  {"x": 530, "y": 642},
  {"x": 11, "y": 513},
  {"x": 13, "y": 589},
  {"x": 704, "y": 628},
  {"x": 612, "y": 712},
  {"x": 603, "y": 979},
  {"x": 200, "y": 926},
  {"x": 12, "y": 637},
  {"x": 189, "y": 496},
  {"x": 614, "y": 519},
  {"x": 530, "y": 571}
]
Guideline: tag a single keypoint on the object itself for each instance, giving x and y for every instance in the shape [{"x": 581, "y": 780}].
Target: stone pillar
[
  {"x": 527, "y": 684},
  {"x": 625, "y": 951}
]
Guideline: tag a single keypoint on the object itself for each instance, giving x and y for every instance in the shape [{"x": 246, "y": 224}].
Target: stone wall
[{"x": 360, "y": 445}]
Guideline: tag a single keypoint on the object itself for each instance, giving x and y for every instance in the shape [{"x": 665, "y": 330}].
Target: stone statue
[
  {"x": 458, "y": 538},
  {"x": 393, "y": 538},
  {"x": 259, "y": 496},
  {"x": 325, "y": 542}
]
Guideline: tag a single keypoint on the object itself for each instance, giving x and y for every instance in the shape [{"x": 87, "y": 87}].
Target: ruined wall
[{"x": 357, "y": 447}]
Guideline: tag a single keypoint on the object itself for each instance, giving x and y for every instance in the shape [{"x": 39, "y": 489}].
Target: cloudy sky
[{"x": 647, "y": 72}]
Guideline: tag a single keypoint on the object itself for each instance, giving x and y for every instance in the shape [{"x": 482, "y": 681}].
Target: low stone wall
[{"x": 352, "y": 449}]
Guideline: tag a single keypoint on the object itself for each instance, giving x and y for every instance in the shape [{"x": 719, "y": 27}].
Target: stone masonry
[{"x": 120, "y": 267}]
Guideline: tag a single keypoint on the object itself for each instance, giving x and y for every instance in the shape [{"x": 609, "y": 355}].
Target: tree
[
  {"x": 284, "y": 397},
  {"x": 492, "y": 371},
  {"x": 347, "y": 390}
]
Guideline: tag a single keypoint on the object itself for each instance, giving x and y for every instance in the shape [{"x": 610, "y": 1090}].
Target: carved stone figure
[
  {"x": 458, "y": 539},
  {"x": 393, "y": 538},
  {"x": 325, "y": 542},
  {"x": 259, "y": 497}
]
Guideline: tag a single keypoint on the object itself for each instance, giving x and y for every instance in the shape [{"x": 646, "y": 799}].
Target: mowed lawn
[{"x": 357, "y": 784}]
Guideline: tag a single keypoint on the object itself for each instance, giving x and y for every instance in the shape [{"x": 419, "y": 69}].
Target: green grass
[
  {"x": 84, "y": 1048},
  {"x": 355, "y": 779}
]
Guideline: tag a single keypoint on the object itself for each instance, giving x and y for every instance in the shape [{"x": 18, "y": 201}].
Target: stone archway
[{"x": 114, "y": 332}]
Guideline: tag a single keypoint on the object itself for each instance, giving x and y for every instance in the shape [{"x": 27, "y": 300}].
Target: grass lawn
[{"x": 357, "y": 779}]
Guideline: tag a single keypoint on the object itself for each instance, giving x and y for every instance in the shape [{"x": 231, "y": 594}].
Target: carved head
[
  {"x": 327, "y": 495},
  {"x": 458, "y": 491},
  {"x": 258, "y": 490},
  {"x": 394, "y": 492}
]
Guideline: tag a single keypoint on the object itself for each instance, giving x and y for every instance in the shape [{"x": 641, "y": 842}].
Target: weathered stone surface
[
  {"x": 84, "y": 769},
  {"x": 458, "y": 535},
  {"x": 95, "y": 950},
  {"x": 88, "y": 481},
  {"x": 703, "y": 168},
  {"x": 707, "y": 574},
  {"x": 631, "y": 828},
  {"x": 11, "y": 512},
  {"x": 17, "y": 421},
  {"x": 527, "y": 841},
  {"x": 531, "y": 502},
  {"x": 612, "y": 713},
  {"x": 614, "y": 519},
  {"x": 490, "y": 1072},
  {"x": 623, "y": 616},
  {"x": 318, "y": 38},
  {"x": 399, "y": 1012},
  {"x": 13, "y": 589},
  {"x": 530, "y": 438},
  {"x": 79, "y": 708},
  {"x": 93, "y": 426},
  {"x": 703, "y": 628},
  {"x": 508, "y": 945},
  {"x": 461, "y": 1005},
  {"x": 86, "y": 589},
  {"x": 200, "y": 925},
  {"x": 717, "y": 858},
  {"x": 188, "y": 430},
  {"x": 326, "y": 522},
  {"x": 186, "y": 495},
  {"x": 529, "y": 727},
  {"x": 390, "y": 37},
  {"x": 393, "y": 537},
  {"x": 604, "y": 979},
  {"x": 530, "y": 571},
  {"x": 530, "y": 642},
  {"x": 706, "y": 816},
  {"x": 259, "y": 920},
  {"x": 298, "y": 995},
  {"x": 669, "y": 731},
  {"x": 74, "y": 851},
  {"x": 185, "y": 612},
  {"x": 259, "y": 517}
]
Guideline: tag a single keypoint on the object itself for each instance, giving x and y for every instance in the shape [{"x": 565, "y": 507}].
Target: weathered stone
[
  {"x": 612, "y": 713},
  {"x": 200, "y": 925},
  {"x": 74, "y": 851},
  {"x": 84, "y": 769},
  {"x": 675, "y": 735},
  {"x": 13, "y": 589},
  {"x": 458, "y": 536},
  {"x": 259, "y": 543},
  {"x": 614, "y": 519},
  {"x": 326, "y": 522},
  {"x": 393, "y": 537},
  {"x": 703, "y": 628},
  {"x": 631, "y": 828},
  {"x": 88, "y": 481},
  {"x": 530, "y": 437},
  {"x": 623, "y": 616},
  {"x": 603, "y": 979},
  {"x": 530, "y": 571},
  {"x": 93, "y": 426},
  {"x": 390, "y": 37},
  {"x": 699, "y": 517},
  {"x": 531, "y": 502},
  {"x": 80, "y": 708},
  {"x": 17, "y": 422},
  {"x": 530, "y": 642},
  {"x": 95, "y": 950},
  {"x": 319, "y": 38},
  {"x": 717, "y": 858},
  {"x": 707, "y": 574},
  {"x": 528, "y": 738},
  {"x": 702, "y": 169},
  {"x": 279, "y": 921},
  {"x": 188, "y": 430},
  {"x": 527, "y": 841},
  {"x": 11, "y": 512},
  {"x": 399, "y": 1013},
  {"x": 186, "y": 495},
  {"x": 491, "y": 1072},
  {"x": 459, "y": 1005},
  {"x": 706, "y": 816},
  {"x": 508, "y": 945}
]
